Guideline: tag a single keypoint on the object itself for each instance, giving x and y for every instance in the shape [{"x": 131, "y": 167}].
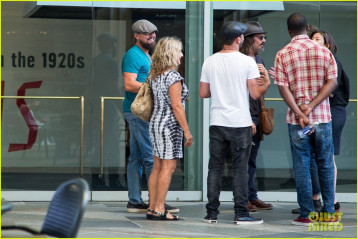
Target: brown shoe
[
  {"x": 260, "y": 205},
  {"x": 251, "y": 207}
]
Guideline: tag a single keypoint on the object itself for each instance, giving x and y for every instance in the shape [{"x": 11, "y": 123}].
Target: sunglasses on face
[
  {"x": 148, "y": 33},
  {"x": 262, "y": 37}
]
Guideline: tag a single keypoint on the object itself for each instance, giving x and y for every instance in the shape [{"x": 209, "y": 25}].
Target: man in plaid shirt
[{"x": 306, "y": 74}]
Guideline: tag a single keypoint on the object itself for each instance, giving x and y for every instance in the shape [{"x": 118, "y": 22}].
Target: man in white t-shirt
[{"x": 229, "y": 77}]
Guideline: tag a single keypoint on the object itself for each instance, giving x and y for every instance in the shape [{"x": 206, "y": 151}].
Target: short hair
[
  {"x": 296, "y": 23},
  {"x": 228, "y": 41},
  {"x": 165, "y": 56},
  {"x": 231, "y": 30},
  {"x": 328, "y": 40}
]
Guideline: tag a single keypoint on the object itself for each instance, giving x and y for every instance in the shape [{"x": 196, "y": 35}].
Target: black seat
[{"x": 65, "y": 212}]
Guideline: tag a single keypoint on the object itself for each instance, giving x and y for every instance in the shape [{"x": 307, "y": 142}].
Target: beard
[
  {"x": 259, "y": 51},
  {"x": 148, "y": 46}
]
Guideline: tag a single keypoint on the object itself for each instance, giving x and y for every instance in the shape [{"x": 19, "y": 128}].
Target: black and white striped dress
[{"x": 164, "y": 130}]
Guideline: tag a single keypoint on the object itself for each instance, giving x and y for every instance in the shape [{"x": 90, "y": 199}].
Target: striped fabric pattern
[{"x": 164, "y": 130}]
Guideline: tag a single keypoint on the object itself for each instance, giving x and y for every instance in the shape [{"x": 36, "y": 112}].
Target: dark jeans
[
  {"x": 338, "y": 113},
  {"x": 221, "y": 138},
  {"x": 252, "y": 160}
]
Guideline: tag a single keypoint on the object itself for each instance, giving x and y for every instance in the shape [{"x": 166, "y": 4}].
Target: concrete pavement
[{"x": 111, "y": 220}]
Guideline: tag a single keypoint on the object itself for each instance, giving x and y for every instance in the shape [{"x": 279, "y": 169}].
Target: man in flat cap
[
  {"x": 228, "y": 77},
  {"x": 135, "y": 67},
  {"x": 253, "y": 45}
]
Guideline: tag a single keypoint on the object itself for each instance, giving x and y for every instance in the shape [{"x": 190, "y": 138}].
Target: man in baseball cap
[
  {"x": 231, "y": 30},
  {"x": 135, "y": 67},
  {"x": 228, "y": 77},
  {"x": 253, "y": 45}
]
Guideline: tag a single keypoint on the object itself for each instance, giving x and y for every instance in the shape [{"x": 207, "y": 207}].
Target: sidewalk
[{"x": 111, "y": 220}]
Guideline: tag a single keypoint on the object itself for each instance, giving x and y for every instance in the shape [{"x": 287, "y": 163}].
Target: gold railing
[
  {"x": 122, "y": 98},
  {"x": 81, "y": 98},
  {"x": 280, "y": 99},
  {"x": 102, "y": 120}
]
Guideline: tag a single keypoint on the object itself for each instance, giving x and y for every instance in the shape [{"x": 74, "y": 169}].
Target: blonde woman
[{"x": 168, "y": 123}]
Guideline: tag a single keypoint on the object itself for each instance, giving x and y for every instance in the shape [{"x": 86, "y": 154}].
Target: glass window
[
  {"x": 274, "y": 163},
  {"x": 178, "y": 19},
  {"x": 75, "y": 49},
  {"x": 56, "y": 49},
  {"x": 44, "y": 53}
]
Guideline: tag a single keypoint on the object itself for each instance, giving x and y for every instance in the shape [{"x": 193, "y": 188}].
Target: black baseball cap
[{"x": 231, "y": 30}]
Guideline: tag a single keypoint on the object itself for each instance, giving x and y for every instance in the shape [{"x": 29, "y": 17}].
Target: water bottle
[{"x": 306, "y": 130}]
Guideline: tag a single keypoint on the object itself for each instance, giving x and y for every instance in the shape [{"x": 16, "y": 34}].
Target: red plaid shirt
[{"x": 304, "y": 67}]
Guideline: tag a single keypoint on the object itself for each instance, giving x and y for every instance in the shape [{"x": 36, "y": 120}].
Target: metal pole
[
  {"x": 82, "y": 125},
  {"x": 102, "y": 125},
  {"x": 101, "y": 139}
]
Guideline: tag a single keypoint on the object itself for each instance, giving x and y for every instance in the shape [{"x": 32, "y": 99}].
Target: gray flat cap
[{"x": 143, "y": 26}]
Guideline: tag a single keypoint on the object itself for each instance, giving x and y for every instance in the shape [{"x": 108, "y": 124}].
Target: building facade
[{"x": 62, "y": 116}]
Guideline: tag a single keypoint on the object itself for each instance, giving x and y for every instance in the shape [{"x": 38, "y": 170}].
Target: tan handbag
[
  {"x": 143, "y": 103},
  {"x": 266, "y": 118}
]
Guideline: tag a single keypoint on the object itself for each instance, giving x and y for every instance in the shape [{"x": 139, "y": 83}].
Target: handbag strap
[
  {"x": 148, "y": 81},
  {"x": 262, "y": 103}
]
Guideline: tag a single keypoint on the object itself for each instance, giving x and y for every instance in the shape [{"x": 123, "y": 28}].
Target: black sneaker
[
  {"x": 296, "y": 211},
  {"x": 137, "y": 207},
  {"x": 337, "y": 206},
  {"x": 210, "y": 219},
  {"x": 247, "y": 220},
  {"x": 317, "y": 205},
  {"x": 171, "y": 209}
]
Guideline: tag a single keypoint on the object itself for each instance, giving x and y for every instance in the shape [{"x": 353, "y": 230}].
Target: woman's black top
[{"x": 341, "y": 93}]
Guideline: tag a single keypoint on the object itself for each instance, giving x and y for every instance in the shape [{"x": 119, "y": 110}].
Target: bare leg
[
  {"x": 153, "y": 182},
  {"x": 164, "y": 179},
  {"x": 316, "y": 197}
]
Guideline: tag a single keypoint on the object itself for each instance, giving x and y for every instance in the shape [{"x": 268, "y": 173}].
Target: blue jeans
[
  {"x": 140, "y": 155},
  {"x": 252, "y": 160},
  {"x": 221, "y": 138},
  {"x": 316, "y": 189},
  {"x": 321, "y": 144}
]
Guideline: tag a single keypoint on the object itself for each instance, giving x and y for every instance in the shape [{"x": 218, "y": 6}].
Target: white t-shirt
[{"x": 227, "y": 74}]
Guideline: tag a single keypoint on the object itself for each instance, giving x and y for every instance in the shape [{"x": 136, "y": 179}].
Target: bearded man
[
  {"x": 255, "y": 39},
  {"x": 135, "y": 67}
]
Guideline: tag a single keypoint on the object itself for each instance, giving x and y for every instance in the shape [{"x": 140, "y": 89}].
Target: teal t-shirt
[{"x": 134, "y": 61}]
